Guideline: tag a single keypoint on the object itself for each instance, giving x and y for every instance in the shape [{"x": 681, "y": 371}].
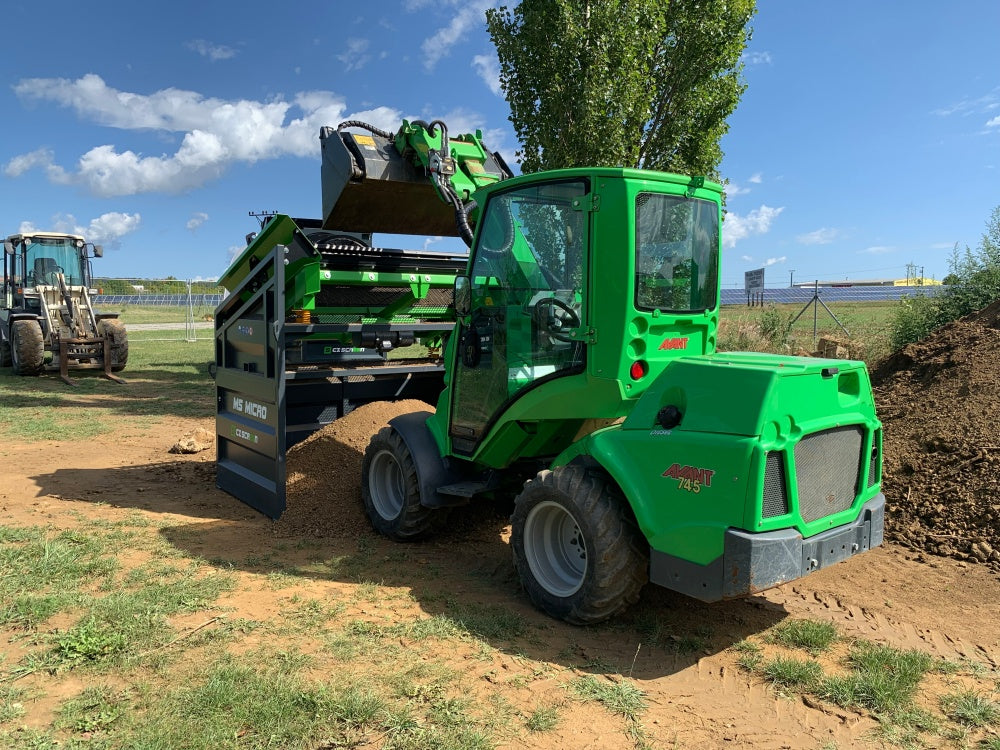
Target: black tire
[
  {"x": 114, "y": 329},
  {"x": 577, "y": 549},
  {"x": 27, "y": 347},
  {"x": 390, "y": 490}
]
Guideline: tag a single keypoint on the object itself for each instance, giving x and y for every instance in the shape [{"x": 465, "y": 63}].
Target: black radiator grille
[
  {"x": 775, "y": 486},
  {"x": 873, "y": 462},
  {"x": 827, "y": 470}
]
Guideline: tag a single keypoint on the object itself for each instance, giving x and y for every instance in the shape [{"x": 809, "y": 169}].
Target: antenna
[{"x": 263, "y": 216}]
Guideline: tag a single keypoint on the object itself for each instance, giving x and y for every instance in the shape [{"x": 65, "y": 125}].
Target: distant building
[{"x": 912, "y": 281}]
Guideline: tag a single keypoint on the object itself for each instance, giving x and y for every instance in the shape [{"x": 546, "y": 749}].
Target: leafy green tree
[
  {"x": 974, "y": 283},
  {"x": 634, "y": 83}
]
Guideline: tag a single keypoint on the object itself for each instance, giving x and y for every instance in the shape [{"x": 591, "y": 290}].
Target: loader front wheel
[
  {"x": 27, "y": 347},
  {"x": 577, "y": 549},
  {"x": 391, "y": 492},
  {"x": 114, "y": 330}
]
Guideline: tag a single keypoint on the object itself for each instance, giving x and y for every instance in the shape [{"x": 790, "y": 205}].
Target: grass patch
[
  {"x": 882, "y": 679},
  {"x": 620, "y": 697},
  {"x": 11, "y": 706},
  {"x": 793, "y": 673},
  {"x": 542, "y": 719},
  {"x": 810, "y": 635},
  {"x": 971, "y": 708}
]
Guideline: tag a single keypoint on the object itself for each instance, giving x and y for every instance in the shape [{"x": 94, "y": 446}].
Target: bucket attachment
[{"x": 369, "y": 187}]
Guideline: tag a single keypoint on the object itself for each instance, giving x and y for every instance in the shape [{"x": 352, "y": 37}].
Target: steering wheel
[{"x": 560, "y": 317}]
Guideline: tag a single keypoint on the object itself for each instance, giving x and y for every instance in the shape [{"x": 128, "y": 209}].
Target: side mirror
[
  {"x": 463, "y": 296},
  {"x": 8, "y": 247},
  {"x": 98, "y": 251}
]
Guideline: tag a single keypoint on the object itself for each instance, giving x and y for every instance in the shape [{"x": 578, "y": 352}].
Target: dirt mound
[
  {"x": 324, "y": 473},
  {"x": 938, "y": 400}
]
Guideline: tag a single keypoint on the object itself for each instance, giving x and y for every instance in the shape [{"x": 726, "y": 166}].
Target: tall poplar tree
[{"x": 631, "y": 83}]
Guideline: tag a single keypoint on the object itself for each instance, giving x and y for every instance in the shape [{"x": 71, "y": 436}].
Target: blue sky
[{"x": 868, "y": 137}]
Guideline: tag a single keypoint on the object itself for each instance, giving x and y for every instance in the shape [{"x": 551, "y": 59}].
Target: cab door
[{"x": 528, "y": 303}]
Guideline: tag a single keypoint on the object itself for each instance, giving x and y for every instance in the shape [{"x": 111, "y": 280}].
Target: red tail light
[{"x": 638, "y": 369}]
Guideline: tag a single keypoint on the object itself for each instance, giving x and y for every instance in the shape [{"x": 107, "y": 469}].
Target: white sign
[{"x": 754, "y": 281}]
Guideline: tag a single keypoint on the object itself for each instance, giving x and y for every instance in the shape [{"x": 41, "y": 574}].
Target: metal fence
[
  {"x": 160, "y": 309},
  {"x": 178, "y": 309},
  {"x": 789, "y": 295}
]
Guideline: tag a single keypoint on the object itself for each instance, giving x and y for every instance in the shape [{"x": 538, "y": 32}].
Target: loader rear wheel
[
  {"x": 391, "y": 492},
  {"x": 27, "y": 347},
  {"x": 4, "y": 353},
  {"x": 114, "y": 330},
  {"x": 577, "y": 549}
]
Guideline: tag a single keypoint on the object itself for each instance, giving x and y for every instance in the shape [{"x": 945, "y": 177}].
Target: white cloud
[
  {"x": 356, "y": 55},
  {"x": 758, "y": 221},
  {"x": 756, "y": 178},
  {"x": 746, "y": 258},
  {"x": 968, "y": 106},
  {"x": 994, "y": 123},
  {"x": 212, "y": 51},
  {"x": 732, "y": 189},
  {"x": 488, "y": 68},
  {"x": 757, "y": 58},
  {"x": 196, "y": 220},
  {"x": 106, "y": 229},
  {"x": 39, "y": 158},
  {"x": 774, "y": 261},
  {"x": 216, "y": 133},
  {"x": 878, "y": 250},
  {"x": 428, "y": 241},
  {"x": 823, "y": 236},
  {"x": 467, "y": 16}
]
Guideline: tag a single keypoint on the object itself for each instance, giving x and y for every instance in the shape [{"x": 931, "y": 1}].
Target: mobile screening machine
[
  {"x": 47, "y": 321},
  {"x": 578, "y": 372}
]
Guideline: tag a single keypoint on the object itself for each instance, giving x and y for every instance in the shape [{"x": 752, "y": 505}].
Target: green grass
[
  {"x": 769, "y": 328},
  {"x": 543, "y": 719},
  {"x": 792, "y": 673},
  {"x": 163, "y": 378},
  {"x": 882, "y": 679},
  {"x": 971, "y": 708},
  {"x": 810, "y": 635},
  {"x": 617, "y": 696}
]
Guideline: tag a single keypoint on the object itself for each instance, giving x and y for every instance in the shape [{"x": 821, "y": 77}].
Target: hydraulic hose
[{"x": 365, "y": 126}]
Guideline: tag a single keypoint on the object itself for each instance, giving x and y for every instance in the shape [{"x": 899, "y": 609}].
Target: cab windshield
[
  {"x": 677, "y": 253},
  {"x": 48, "y": 256}
]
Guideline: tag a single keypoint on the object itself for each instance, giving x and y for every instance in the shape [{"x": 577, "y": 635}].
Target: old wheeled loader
[
  {"x": 579, "y": 374},
  {"x": 47, "y": 321}
]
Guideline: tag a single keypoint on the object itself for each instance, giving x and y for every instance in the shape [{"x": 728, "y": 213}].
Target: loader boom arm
[{"x": 419, "y": 180}]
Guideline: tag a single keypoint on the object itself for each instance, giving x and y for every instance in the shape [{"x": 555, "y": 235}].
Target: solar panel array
[
  {"x": 788, "y": 295},
  {"x": 785, "y": 295}
]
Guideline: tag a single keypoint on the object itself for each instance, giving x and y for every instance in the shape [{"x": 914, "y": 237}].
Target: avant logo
[
  {"x": 678, "y": 343},
  {"x": 690, "y": 478}
]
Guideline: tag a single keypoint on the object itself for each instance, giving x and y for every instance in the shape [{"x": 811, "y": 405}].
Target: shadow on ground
[{"x": 465, "y": 574}]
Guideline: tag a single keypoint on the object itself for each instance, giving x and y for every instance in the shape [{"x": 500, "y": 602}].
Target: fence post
[{"x": 189, "y": 331}]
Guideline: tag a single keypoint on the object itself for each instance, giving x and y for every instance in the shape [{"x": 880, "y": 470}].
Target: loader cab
[
  {"x": 36, "y": 259},
  {"x": 582, "y": 286}
]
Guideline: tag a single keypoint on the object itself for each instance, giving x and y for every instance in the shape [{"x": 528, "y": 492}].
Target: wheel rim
[
  {"x": 555, "y": 549},
  {"x": 385, "y": 481}
]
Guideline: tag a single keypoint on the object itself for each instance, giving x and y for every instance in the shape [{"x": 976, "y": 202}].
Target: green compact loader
[{"x": 577, "y": 372}]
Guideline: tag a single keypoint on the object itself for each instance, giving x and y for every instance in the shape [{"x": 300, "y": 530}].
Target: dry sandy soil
[
  {"x": 698, "y": 697},
  {"x": 933, "y": 586}
]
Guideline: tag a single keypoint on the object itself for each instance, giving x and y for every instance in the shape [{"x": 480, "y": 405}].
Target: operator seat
[{"x": 46, "y": 270}]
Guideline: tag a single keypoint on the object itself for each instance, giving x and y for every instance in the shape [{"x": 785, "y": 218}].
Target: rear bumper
[{"x": 754, "y": 562}]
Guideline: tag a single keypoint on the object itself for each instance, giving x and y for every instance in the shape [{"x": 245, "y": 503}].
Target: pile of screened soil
[
  {"x": 938, "y": 400},
  {"x": 323, "y": 486}
]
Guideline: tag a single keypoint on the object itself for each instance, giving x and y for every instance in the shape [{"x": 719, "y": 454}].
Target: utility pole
[
  {"x": 921, "y": 275},
  {"x": 791, "y": 277}
]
